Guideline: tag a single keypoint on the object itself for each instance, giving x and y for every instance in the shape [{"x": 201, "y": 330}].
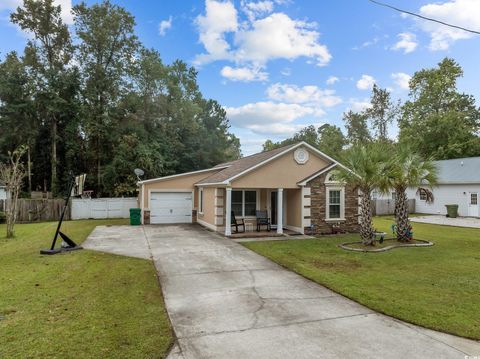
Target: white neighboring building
[
  {"x": 3, "y": 192},
  {"x": 458, "y": 183},
  {"x": 3, "y": 196}
]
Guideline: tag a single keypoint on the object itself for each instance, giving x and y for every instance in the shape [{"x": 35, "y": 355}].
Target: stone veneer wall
[{"x": 318, "y": 207}]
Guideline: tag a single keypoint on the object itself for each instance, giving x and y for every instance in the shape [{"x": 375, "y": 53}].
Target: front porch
[
  {"x": 264, "y": 234},
  {"x": 283, "y": 209}
]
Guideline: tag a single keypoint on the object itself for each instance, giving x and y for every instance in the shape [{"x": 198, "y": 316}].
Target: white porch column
[
  {"x": 280, "y": 210},
  {"x": 228, "y": 212}
]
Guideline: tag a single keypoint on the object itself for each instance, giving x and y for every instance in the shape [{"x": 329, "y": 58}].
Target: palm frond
[{"x": 428, "y": 193}]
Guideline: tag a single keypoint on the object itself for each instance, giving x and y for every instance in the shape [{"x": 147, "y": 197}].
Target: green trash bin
[
  {"x": 452, "y": 210},
  {"x": 135, "y": 216}
]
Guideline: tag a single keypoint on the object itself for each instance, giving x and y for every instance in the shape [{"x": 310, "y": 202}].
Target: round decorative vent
[{"x": 301, "y": 156}]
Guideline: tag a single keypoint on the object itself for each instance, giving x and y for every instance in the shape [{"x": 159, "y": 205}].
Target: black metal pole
[{"x": 67, "y": 199}]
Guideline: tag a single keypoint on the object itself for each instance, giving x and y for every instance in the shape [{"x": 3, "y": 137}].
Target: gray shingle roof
[
  {"x": 460, "y": 170},
  {"x": 238, "y": 166}
]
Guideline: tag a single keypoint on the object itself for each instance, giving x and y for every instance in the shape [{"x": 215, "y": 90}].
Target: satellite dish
[{"x": 138, "y": 172}]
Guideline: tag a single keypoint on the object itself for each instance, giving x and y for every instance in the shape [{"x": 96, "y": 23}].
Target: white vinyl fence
[
  {"x": 102, "y": 208},
  {"x": 381, "y": 207}
]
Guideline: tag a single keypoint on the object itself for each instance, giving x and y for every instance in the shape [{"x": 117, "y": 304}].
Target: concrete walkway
[
  {"x": 468, "y": 222},
  {"x": 226, "y": 301}
]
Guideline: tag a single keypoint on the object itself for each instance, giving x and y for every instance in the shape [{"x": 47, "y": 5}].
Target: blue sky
[{"x": 279, "y": 65}]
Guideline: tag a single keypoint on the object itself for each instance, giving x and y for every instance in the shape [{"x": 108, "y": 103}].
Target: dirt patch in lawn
[{"x": 345, "y": 265}]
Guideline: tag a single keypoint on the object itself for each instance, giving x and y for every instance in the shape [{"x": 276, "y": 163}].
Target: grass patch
[
  {"x": 83, "y": 304},
  {"x": 437, "y": 287}
]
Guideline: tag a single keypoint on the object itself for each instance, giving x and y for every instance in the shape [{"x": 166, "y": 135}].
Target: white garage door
[{"x": 170, "y": 207}]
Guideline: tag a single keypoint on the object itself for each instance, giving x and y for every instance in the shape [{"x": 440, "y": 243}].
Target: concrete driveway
[
  {"x": 468, "y": 222},
  {"x": 226, "y": 301}
]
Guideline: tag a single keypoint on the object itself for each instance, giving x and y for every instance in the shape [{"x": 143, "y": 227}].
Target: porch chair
[
  {"x": 263, "y": 220},
  {"x": 237, "y": 223}
]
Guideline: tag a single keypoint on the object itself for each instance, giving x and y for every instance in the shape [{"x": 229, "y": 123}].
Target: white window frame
[
  {"x": 342, "y": 202},
  {"x": 422, "y": 192},
  {"x": 200, "y": 200},
  {"x": 243, "y": 200},
  {"x": 333, "y": 185},
  {"x": 476, "y": 199}
]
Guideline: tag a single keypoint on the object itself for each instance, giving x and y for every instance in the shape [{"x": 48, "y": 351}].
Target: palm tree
[
  {"x": 406, "y": 169},
  {"x": 365, "y": 165}
]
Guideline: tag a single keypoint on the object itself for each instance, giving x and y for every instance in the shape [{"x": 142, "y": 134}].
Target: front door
[
  {"x": 273, "y": 207},
  {"x": 473, "y": 208}
]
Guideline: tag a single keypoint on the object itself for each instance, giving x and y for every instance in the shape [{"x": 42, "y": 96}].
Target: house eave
[
  {"x": 300, "y": 144},
  {"x": 225, "y": 183},
  {"x": 315, "y": 175},
  {"x": 159, "y": 179}
]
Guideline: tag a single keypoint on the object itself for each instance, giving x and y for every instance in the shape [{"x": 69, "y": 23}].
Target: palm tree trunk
[
  {"x": 403, "y": 223},
  {"x": 366, "y": 227}
]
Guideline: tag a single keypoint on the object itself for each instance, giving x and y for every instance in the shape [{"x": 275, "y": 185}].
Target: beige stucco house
[{"x": 292, "y": 183}]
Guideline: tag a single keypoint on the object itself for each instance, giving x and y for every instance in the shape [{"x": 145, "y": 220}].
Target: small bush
[{"x": 2, "y": 217}]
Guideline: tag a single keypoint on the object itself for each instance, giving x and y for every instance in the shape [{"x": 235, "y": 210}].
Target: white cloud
[
  {"x": 256, "y": 9},
  {"x": 287, "y": 104},
  {"x": 401, "y": 79},
  {"x": 407, "y": 42},
  {"x": 251, "y": 145},
  {"x": 219, "y": 18},
  {"x": 268, "y": 112},
  {"x": 309, "y": 95},
  {"x": 10, "y": 4},
  {"x": 359, "y": 105},
  {"x": 65, "y": 4},
  {"x": 365, "y": 83},
  {"x": 278, "y": 129},
  {"x": 459, "y": 12},
  {"x": 245, "y": 74},
  {"x": 369, "y": 43},
  {"x": 164, "y": 26},
  {"x": 258, "y": 40},
  {"x": 331, "y": 80},
  {"x": 279, "y": 36},
  {"x": 271, "y": 117}
]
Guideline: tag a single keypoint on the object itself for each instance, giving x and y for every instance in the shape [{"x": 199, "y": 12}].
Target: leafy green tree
[
  {"x": 438, "y": 121},
  {"x": 17, "y": 114},
  {"x": 217, "y": 144},
  {"x": 131, "y": 153},
  {"x": 106, "y": 52},
  {"x": 357, "y": 127},
  {"x": 327, "y": 138},
  {"x": 382, "y": 112},
  {"x": 331, "y": 141},
  {"x": 47, "y": 54},
  {"x": 115, "y": 108}
]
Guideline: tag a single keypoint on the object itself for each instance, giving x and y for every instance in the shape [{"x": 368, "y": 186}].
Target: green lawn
[
  {"x": 83, "y": 304},
  {"x": 437, "y": 287}
]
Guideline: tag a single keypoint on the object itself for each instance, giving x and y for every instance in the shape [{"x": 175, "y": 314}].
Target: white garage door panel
[{"x": 170, "y": 207}]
